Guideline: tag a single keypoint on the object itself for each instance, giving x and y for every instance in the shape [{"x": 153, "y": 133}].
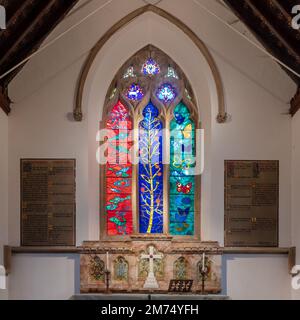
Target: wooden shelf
[
  {"x": 70, "y": 250},
  {"x": 255, "y": 250},
  {"x": 9, "y": 251}
]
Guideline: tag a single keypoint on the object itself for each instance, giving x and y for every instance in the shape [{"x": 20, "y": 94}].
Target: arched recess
[
  {"x": 148, "y": 28},
  {"x": 221, "y": 116}
]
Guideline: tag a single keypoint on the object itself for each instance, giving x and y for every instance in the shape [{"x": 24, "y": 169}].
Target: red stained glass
[
  {"x": 121, "y": 136},
  {"x": 118, "y": 185},
  {"x": 119, "y": 223},
  {"x": 118, "y": 203},
  {"x": 119, "y": 118},
  {"x": 119, "y": 171}
]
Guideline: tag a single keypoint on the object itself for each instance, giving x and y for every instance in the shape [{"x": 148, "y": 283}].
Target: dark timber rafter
[
  {"x": 273, "y": 30},
  {"x": 35, "y": 23},
  {"x": 270, "y": 21},
  {"x": 28, "y": 23}
]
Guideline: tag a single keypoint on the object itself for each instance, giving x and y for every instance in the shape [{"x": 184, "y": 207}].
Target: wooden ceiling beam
[
  {"x": 17, "y": 13},
  {"x": 27, "y": 31},
  {"x": 4, "y": 100},
  {"x": 279, "y": 6},
  {"x": 273, "y": 30},
  {"x": 295, "y": 103}
]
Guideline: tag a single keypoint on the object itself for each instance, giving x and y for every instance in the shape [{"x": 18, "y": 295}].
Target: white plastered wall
[
  {"x": 295, "y": 190},
  {"x": 256, "y": 92}
]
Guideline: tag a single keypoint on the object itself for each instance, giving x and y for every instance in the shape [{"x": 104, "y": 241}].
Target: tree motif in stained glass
[
  {"x": 135, "y": 92},
  {"x": 151, "y": 67},
  {"x": 182, "y": 180},
  {"x": 166, "y": 93},
  {"x": 118, "y": 203},
  {"x": 150, "y": 172}
]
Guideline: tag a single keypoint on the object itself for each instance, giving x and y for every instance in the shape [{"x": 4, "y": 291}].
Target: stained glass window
[
  {"x": 159, "y": 197},
  {"x": 182, "y": 180},
  {"x": 135, "y": 92},
  {"x": 150, "y": 67},
  {"x": 119, "y": 172},
  {"x": 150, "y": 172},
  {"x": 166, "y": 93}
]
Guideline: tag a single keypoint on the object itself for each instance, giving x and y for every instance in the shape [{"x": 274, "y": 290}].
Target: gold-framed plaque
[
  {"x": 48, "y": 202},
  {"x": 251, "y": 203}
]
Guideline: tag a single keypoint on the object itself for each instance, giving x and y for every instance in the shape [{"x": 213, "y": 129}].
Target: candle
[
  {"x": 203, "y": 262},
  {"x": 107, "y": 260}
]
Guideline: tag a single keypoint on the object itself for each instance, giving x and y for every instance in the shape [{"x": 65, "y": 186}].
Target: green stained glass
[{"x": 182, "y": 180}]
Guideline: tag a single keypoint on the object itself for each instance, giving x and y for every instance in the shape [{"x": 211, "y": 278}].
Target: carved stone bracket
[{"x": 4, "y": 100}]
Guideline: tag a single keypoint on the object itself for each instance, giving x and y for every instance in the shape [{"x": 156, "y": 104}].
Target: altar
[{"x": 147, "y": 265}]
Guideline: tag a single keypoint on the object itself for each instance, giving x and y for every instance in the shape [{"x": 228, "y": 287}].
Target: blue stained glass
[
  {"x": 150, "y": 67},
  {"x": 135, "y": 92},
  {"x": 166, "y": 93},
  {"x": 150, "y": 172}
]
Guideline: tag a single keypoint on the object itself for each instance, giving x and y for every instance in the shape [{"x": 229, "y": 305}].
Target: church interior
[{"x": 149, "y": 147}]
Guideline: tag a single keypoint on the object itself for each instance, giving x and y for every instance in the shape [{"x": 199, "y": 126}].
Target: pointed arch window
[{"x": 148, "y": 182}]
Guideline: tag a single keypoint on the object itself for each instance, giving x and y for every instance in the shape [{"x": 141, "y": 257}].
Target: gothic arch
[{"x": 222, "y": 115}]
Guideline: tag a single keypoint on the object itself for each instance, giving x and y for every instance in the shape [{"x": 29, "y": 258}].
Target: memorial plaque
[
  {"x": 251, "y": 203},
  {"x": 48, "y": 202}
]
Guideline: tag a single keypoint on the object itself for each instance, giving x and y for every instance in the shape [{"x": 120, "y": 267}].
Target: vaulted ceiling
[{"x": 30, "y": 21}]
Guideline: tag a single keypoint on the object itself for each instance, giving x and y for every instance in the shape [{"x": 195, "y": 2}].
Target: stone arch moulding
[{"x": 222, "y": 115}]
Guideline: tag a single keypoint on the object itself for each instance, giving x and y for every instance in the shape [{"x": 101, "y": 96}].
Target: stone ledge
[{"x": 147, "y": 297}]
